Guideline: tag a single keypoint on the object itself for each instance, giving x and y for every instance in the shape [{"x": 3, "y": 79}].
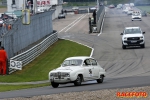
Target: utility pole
[{"x": 35, "y": 6}]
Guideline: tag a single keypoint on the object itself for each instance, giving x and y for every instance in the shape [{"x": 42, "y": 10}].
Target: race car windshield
[
  {"x": 133, "y": 31},
  {"x": 74, "y": 62}
]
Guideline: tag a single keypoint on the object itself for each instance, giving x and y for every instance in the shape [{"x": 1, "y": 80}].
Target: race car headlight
[
  {"x": 67, "y": 75},
  {"x": 51, "y": 74}
]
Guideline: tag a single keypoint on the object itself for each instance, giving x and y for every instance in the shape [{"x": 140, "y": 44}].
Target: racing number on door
[{"x": 90, "y": 72}]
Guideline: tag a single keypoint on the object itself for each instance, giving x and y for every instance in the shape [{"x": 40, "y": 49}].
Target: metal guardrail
[{"x": 29, "y": 55}]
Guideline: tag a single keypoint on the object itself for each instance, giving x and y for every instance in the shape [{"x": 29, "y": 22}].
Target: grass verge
[
  {"x": 3, "y": 6},
  {"x": 38, "y": 69},
  {"x": 144, "y": 8},
  {"x": 4, "y": 88}
]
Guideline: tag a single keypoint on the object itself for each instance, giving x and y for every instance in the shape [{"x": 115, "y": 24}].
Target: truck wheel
[
  {"x": 123, "y": 46},
  {"x": 143, "y": 46},
  {"x": 54, "y": 85},
  {"x": 100, "y": 80},
  {"x": 78, "y": 81}
]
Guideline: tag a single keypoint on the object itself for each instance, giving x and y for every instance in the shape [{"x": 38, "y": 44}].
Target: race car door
[
  {"x": 96, "y": 68},
  {"x": 88, "y": 70}
]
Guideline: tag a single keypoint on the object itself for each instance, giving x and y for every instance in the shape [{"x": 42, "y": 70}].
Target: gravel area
[{"x": 106, "y": 94}]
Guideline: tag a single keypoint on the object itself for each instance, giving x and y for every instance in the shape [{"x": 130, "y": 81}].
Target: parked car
[
  {"x": 75, "y": 8},
  {"x": 133, "y": 36},
  {"x": 119, "y": 6},
  {"x": 130, "y": 12},
  {"x": 92, "y": 9},
  {"x": 61, "y": 15},
  {"x": 111, "y": 6},
  {"x": 77, "y": 70}
]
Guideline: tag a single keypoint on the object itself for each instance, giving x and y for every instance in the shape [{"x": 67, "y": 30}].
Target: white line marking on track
[
  {"x": 101, "y": 26},
  {"x": 76, "y": 23},
  {"x": 70, "y": 24}
]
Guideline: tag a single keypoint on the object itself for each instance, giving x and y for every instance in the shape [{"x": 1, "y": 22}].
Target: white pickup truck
[
  {"x": 136, "y": 15},
  {"x": 133, "y": 36}
]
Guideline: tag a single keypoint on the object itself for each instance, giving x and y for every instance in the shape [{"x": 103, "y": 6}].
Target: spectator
[
  {"x": 66, "y": 12},
  {"x": 62, "y": 11},
  {"x": 1, "y": 72},
  {"x": 9, "y": 27},
  {"x": 3, "y": 60},
  {"x": 94, "y": 16},
  {"x": 4, "y": 28}
]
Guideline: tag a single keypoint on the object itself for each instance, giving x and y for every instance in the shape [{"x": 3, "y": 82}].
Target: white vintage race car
[{"x": 77, "y": 70}]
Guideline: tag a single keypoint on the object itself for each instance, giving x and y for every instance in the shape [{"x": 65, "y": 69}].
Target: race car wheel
[
  {"x": 100, "y": 80},
  {"x": 54, "y": 85},
  {"x": 78, "y": 81}
]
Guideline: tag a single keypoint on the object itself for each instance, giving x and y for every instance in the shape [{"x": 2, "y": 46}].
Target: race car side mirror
[
  {"x": 121, "y": 34},
  {"x": 143, "y": 32}
]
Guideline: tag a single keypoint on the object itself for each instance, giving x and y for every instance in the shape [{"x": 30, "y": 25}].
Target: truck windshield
[{"x": 133, "y": 31}]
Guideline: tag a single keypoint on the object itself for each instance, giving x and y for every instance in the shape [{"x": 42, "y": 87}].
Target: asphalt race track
[{"x": 125, "y": 68}]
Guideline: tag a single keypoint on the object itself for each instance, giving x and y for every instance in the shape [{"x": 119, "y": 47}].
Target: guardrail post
[{"x": 7, "y": 68}]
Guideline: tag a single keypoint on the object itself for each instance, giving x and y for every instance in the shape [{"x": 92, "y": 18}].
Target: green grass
[
  {"x": 18, "y": 87},
  {"x": 38, "y": 69},
  {"x": 3, "y": 6},
  {"x": 144, "y": 8}
]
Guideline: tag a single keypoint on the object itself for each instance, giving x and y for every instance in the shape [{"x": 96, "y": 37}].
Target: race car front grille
[{"x": 59, "y": 74}]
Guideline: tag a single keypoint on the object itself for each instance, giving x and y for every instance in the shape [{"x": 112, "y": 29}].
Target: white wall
[
  {"x": 57, "y": 11},
  {"x": 9, "y": 8},
  {"x": 19, "y": 5}
]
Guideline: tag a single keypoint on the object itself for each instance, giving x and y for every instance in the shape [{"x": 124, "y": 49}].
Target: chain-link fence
[{"x": 22, "y": 36}]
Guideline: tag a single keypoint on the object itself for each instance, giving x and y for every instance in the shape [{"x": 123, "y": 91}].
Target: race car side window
[
  {"x": 87, "y": 62},
  {"x": 93, "y": 61}
]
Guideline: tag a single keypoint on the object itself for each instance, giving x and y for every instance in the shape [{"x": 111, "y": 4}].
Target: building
[{"x": 13, "y": 5}]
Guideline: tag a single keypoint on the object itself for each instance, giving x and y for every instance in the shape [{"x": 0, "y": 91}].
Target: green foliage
[
  {"x": 18, "y": 87},
  {"x": 144, "y": 8}
]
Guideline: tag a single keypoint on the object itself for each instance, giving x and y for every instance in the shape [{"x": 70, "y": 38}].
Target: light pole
[{"x": 35, "y": 6}]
